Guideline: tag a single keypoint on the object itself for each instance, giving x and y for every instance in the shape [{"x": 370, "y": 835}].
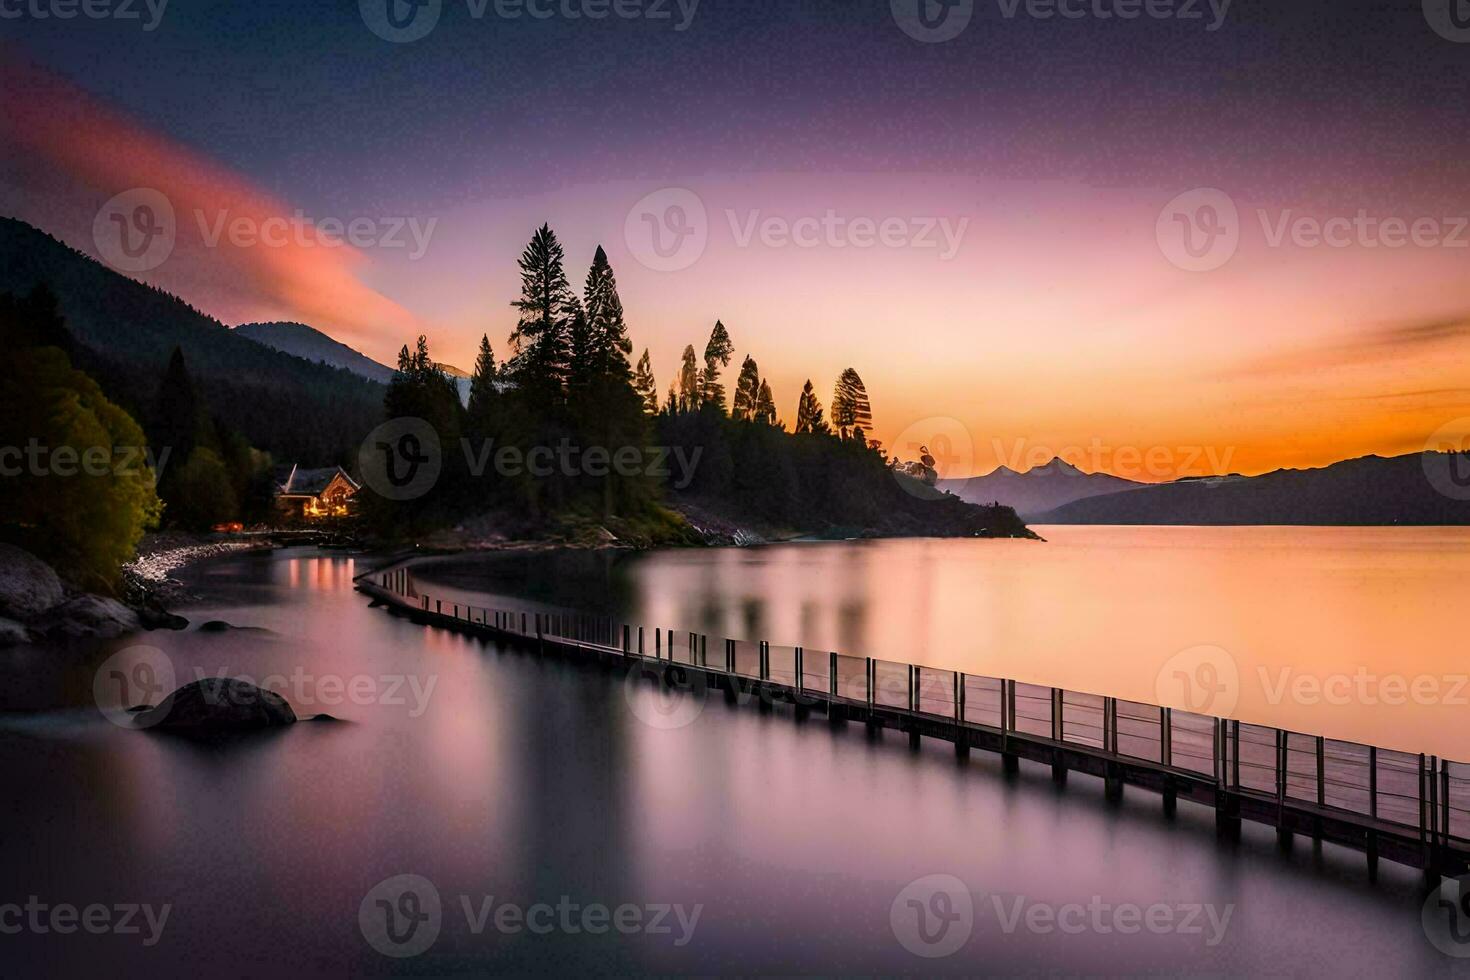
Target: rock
[
  {"x": 28, "y": 586},
  {"x": 13, "y": 633},
  {"x": 154, "y": 617},
  {"x": 218, "y": 704},
  {"x": 89, "y": 616},
  {"x": 220, "y": 626},
  {"x": 159, "y": 617}
]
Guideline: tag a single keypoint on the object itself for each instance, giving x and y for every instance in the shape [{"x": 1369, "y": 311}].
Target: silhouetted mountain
[
  {"x": 1367, "y": 491},
  {"x": 1037, "y": 490},
  {"x": 310, "y": 343},
  {"x": 298, "y": 410}
]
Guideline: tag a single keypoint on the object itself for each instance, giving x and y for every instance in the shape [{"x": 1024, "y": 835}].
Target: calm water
[
  {"x": 490, "y": 772},
  {"x": 1356, "y": 633}
]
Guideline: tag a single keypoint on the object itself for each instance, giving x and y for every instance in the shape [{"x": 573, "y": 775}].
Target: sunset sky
[{"x": 1055, "y": 316}]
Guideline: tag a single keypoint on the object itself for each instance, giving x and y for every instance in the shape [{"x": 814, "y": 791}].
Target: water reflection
[
  {"x": 1348, "y": 632},
  {"x": 530, "y": 778}
]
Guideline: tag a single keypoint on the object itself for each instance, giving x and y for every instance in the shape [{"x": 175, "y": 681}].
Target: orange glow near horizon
[{"x": 1056, "y": 328}]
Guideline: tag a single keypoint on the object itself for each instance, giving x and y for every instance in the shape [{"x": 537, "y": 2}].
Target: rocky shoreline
[{"x": 36, "y": 605}]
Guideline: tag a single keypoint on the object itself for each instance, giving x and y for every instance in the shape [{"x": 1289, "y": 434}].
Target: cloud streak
[
  {"x": 1370, "y": 344},
  {"x": 82, "y": 152}
]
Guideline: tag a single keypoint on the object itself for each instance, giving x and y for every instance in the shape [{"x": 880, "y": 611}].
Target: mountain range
[
  {"x": 1037, "y": 490},
  {"x": 299, "y": 410},
  {"x": 311, "y": 344},
  {"x": 1415, "y": 489}
]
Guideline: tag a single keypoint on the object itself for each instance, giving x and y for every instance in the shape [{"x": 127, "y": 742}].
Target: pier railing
[{"x": 1405, "y": 793}]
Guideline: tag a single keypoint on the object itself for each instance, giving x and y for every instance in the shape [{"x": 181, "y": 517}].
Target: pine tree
[
  {"x": 179, "y": 418},
  {"x": 607, "y": 343},
  {"x": 482, "y": 385},
  {"x": 542, "y": 339},
  {"x": 606, "y": 407},
  {"x": 851, "y": 413},
  {"x": 644, "y": 384},
  {"x": 716, "y": 356},
  {"x": 689, "y": 381},
  {"x": 809, "y": 411},
  {"x": 484, "y": 393},
  {"x": 580, "y": 367},
  {"x": 747, "y": 390},
  {"x": 765, "y": 406}
]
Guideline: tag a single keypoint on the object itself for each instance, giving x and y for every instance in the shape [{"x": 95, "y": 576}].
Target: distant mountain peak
[
  {"x": 1041, "y": 488},
  {"x": 1059, "y": 465},
  {"x": 309, "y": 343},
  {"x": 1368, "y": 490}
]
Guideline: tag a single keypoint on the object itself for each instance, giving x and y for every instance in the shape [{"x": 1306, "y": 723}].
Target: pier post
[
  {"x": 1113, "y": 783},
  {"x": 1010, "y": 763},
  {"x": 1227, "y": 815},
  {"x": 1171, "y": 797}
]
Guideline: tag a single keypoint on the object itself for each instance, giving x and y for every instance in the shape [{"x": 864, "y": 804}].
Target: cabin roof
[{"x": 311, "y": 483}]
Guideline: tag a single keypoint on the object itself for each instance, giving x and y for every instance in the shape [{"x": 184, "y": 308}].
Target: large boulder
[
  {"x": 218, "y": 704},
  {"x": 12, "y": 633},
  {"x": 88, "y": 616},
  {"x": 28, "y": 586}
]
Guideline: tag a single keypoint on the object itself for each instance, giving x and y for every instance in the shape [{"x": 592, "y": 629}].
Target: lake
[
  {"x": 1355, "y": 633},
  {"x": 557, "y": 818}
]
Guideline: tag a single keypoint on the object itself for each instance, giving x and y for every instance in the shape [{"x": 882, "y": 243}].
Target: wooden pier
[{"x": 1411, "y": 809}]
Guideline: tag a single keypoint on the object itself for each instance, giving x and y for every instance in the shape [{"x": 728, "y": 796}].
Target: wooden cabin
[{"x": 314, "y": 494}]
